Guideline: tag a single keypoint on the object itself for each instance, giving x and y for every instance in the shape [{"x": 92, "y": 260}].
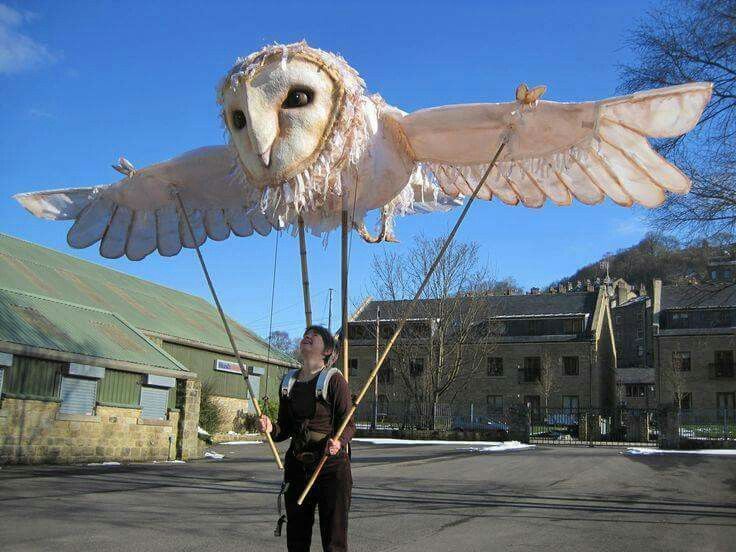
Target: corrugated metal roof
[
  {"x": 147, "y": 306},
  {"x": 45, "y": 323}
]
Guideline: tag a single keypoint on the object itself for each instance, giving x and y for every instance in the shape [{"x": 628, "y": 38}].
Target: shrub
[{"x": 211, "y": 417}]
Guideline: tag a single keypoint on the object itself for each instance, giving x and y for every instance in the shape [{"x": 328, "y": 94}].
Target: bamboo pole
[
  {"x": 305, "y": 273},
  {"x": 407, "y": 314},
  {"x": 344, "y": 293},
  {"x": 225, "y": 323}
]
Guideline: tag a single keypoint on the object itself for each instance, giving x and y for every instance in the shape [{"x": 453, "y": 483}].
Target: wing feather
[
  {"x": 588, "y": 150},
  {"x": 140, "y": 213},
  {"x": 116, "y": 237}
]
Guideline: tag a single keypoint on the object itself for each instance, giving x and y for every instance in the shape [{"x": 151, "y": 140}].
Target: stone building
[
  {"x": 694, "y": 343},
  {"x": 565, "y": 338},
  {"x": 96, "y": 364},
  {"x": 631, "y": 313}
]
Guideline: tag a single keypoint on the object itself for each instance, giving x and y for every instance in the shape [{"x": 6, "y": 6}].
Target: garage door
[
  {"x": 153, "y": 402},
  {"x": 78, "y": 395}
]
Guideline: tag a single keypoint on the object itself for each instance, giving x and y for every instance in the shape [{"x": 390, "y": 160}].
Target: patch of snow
[
  {"x": 636, "y": 451},
  {"x": 242, "y": 443},
  {"x": 201, "y": 431},
  {"x": 500, "y": 447},
  {"x": 386, "y": 441},
  {"x": 231, "y": 433},
  {"x": 214, "y": 455},
  {"x": 104, "y": 464},
  {"x": 168, "y": 462}
]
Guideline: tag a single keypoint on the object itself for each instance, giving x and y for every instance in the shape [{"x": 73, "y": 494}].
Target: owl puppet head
[{"x": 294, "y": 116}]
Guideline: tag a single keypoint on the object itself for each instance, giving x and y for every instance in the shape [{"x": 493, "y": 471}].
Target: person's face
[{"x": 312, "y": 345}]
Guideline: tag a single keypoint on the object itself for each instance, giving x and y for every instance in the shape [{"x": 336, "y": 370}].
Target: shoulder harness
[{"x": 323, "y": 381}]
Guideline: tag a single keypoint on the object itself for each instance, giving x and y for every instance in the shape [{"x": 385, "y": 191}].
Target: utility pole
[
  {"x": 374, "y": 423},
  {"x": 329, "y": 319}
]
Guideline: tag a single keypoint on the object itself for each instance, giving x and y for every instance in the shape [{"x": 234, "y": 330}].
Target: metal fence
[
  {"x": 560, "y": 426},
  {"x": 708, "y": 424}
]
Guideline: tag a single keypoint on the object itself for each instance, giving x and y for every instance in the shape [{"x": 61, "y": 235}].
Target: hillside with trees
[{"x": 658, "y": 256}]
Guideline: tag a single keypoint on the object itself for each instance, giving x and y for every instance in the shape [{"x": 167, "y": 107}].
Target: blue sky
[{"x": 82, "y": 83}]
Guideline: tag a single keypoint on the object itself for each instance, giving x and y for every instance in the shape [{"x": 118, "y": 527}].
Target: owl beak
[{"x": 266, "y": 157}]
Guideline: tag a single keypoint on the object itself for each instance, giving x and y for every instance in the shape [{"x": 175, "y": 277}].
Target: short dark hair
[{"x": 331, "y": 344}]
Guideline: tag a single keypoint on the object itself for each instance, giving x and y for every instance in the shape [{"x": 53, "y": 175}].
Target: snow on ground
[
  {"x": 242, "y": 443},
  {"x": 635, "y": 451},
  {"x": 214, "y": 455},
  {"x": 201, "y": 431},
  {"x": 505, "y": 446},
  {"x": 476, "y": 446},
  {"x": 168, "y": 462},
  {"x": 104, "y": 464}
]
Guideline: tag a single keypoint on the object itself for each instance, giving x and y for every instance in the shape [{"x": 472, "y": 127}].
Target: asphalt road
[{"x": 406, "y": 498}]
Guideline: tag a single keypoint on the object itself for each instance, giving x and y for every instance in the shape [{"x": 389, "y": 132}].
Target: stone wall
[
  {"x": 35, "y": 432},
  {"x": 188, "y": 444},
  {"x": 230, "y": 408}
]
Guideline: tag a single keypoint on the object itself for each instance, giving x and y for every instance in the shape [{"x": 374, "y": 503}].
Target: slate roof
[
  {"x": 530, "y": 305},
  {"x": 40, "y": 322},
  {"x": 499, "y": 306},
  {"x": 698, "y": 296},
  {"x": 149, "y": 307}
]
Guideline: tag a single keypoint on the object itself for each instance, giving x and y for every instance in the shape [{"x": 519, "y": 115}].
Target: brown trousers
[{"x": 331, "y": 494}]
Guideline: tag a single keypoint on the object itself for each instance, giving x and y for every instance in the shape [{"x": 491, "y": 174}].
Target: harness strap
[{"x": 282, "y": 517}]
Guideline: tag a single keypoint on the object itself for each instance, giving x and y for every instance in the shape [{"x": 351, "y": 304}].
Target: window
[
  {"x": 727, "y": 274},
  {"x": 571, "y": 326},
  {"x": 723, "y": 364},
  {"x": 570, "y": 403},
  {"x": 386, "y": 374},
  {"x": 640, "y": 351},
  {"x": 723, "y": 319},
  {"x": 416, "y": 367},
  {"x": 531, "y": 371},
  {"x": 386, "y": 331},
  {"x": 353, "y": 366},
  {"x": 636, "y": 390},
  {"x": 78, "y": 395},
  {"x": 681, "y": 361},
  {"x": 639, "y": 317},
  {"x": 686, "y": 401},
  {"x": 726, "y": 401},
  {"x": 495, "y": 366},
  {"x": 680, "y": 319},
  {"x": 639, "y": 332},
  {"x": 357, "y": 332},
  {"x": 571, "y": 365},
  {"x": 494, "y": 404},
  {"x": 534, "y": 327}
]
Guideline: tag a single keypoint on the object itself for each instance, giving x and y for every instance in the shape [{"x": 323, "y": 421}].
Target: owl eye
[
  {"x": 238, "y": 118},
  {"x": 298, "y": 97}
]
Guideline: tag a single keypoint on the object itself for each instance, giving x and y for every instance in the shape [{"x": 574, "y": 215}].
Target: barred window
[
  {"x": 495, "y": 366},
  {"x": 571, "y": 365}
]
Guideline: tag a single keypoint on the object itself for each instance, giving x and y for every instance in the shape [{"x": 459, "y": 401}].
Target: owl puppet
[{"x": 306, "y": 141}]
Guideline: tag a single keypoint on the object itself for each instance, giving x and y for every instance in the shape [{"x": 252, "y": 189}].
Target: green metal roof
[
  {"x": 150, "y": 307},
  {"x": 40, "y": 322}
]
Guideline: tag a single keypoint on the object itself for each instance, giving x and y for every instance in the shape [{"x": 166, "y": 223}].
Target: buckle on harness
[{"x": 306, "y": 457}]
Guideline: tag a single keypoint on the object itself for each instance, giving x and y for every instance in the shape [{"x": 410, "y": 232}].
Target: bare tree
[
  {"x": 694, "y": 40},
  {"x": 675, "y": 376},
  {"x": 548, "y": 377},
  {"x": 450, "y": 335}
]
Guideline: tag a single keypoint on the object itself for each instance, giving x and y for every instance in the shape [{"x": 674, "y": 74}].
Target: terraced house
[
  {"x": 553, "y": 350},
  {"x": 99, "y": 365}
]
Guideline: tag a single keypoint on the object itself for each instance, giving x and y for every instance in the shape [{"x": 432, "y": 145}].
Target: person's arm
[
  {"x": 341, "y": 406},
  {"x": 282, "y": 428}
]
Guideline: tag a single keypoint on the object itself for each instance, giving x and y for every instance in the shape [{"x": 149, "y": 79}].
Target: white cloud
[{"x": 18, "y": 51}]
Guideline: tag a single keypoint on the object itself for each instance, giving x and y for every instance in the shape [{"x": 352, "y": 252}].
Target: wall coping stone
[
  {"x": 164, "y": 423},
  {"x": 61, "y": 416}
]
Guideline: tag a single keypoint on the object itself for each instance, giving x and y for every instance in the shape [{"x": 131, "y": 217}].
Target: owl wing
[
  {"x": 556, "y": 150},
  {"x": 140, "y": 213}
]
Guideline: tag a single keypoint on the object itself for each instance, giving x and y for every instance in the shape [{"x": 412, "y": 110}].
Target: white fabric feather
[{"x": 557, "y": 150}]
